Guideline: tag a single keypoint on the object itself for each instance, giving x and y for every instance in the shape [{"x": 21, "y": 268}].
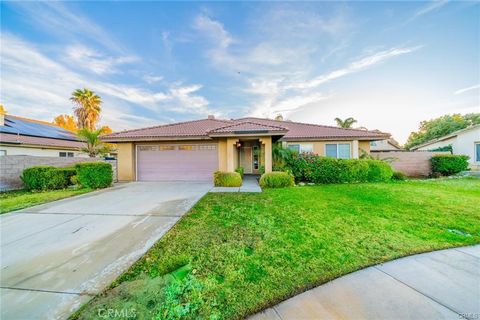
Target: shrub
[
  {"x": 316, "y": 169},
  {"x": 379, "y": 171},
  {"x": 240, "y": 170},
  {"x": 227, "y": 179},
  {"x": 277, "y": 179},
  {"x": 400, "y": 176},
  {"x": 94, "y": 174},
  {"x": 46, "y": 178},
  {"x": 261, "y": 169},
  {"x": 449, "y": 164}
]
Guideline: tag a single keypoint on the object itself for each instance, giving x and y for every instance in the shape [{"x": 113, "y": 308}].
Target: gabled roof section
[
  {"x": 307, "y": 131},
  {"x": 247, "y": 127},
  {"x": 34, "y": 128},
  {"x": 196, "y": 129},
  {"x": 445, "y": 137}
]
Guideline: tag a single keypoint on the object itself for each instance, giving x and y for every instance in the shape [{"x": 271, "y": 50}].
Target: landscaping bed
[{"x": 235, "y": 254}]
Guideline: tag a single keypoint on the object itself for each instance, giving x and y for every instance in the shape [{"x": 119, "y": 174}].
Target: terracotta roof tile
[
  {"x": 247, "y": 126},
  {"x": 40, "y": 141}
]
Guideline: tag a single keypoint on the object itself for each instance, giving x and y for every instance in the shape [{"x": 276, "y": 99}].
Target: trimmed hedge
[
  {"x": 94, "y": 175},
  {"x": 449, "y": 164},
  {"x": 43, "y": 178},
  {"x": 277, "y": 179},
  {"x": 317, "y": 169},
  {"x": 227, "y": 179}
]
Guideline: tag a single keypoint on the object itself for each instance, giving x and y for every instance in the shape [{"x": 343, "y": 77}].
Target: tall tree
[
  {"x": 66, "y": 122},
  {"x": 88, "y": 108},
  {"x": 347, "y": 123},
  {"x": 92, "y": 139},
  {"x": 441, "y": 126}
]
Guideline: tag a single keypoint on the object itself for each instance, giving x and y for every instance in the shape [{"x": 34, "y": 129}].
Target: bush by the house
[
  {"x": 240, "y": 170},
  {"x": 449, "y": 164},
  {"x": 227, "y": 179},
  {"x": 94, "y": 175},
  {"x": 317, "y": 169},
  {"x": 399, "y": 176},
  {"x": 277, "y": 179},
  {"x": 46, "y": 178}
]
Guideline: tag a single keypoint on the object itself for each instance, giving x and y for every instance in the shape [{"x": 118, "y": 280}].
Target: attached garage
[{"x": 182, "y": 162}]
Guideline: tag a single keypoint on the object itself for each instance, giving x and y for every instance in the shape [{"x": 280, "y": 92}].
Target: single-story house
[
  {"x": 23, "y": 136},
  {"x": 465, "y": 141},
  {"x": 193, "y": 150},
  {"x": 385, "y": 145}
]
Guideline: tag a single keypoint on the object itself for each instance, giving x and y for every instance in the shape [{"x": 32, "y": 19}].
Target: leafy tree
[
  {"x": 106, "y": 130},
  {"x": 347, "y": 123},
  {"x": 88, "y": 108},
  {"x": 94, "y": 145},
  {"x": 66, "y": 122},
  {"x": 441, "y": 126}
]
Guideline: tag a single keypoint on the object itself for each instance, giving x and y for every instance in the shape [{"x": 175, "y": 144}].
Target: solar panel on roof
[{"x": 15, "y": 125}]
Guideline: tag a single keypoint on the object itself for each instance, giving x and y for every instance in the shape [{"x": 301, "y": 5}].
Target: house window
[
  {"x": 477, "y": 152},
  {"x": 165, "y": 148},
  {"x": 186, "y": 148},
  {"x": 65, "y": 154},
  {"x": 338, "y": 150},
  {"x": 373, "y": 143},
  {"x": 3, "y": 153},
  {"x": 301, "y": 148},
  {"x": 147, "y": 148}
]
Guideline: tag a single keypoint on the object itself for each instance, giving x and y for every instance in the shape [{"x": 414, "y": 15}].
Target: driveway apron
[{"x": 56, "y": 256}]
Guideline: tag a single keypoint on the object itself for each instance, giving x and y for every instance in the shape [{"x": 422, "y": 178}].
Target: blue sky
[{"x": 387, "y": 64}]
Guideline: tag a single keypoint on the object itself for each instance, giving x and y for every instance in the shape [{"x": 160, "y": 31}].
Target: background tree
[
  {"x": 2, "y": 109},
  {"x": 94, "y": 146},
  {"x": 438, "y": 127},
  {"x": 66, "y": 122},
  {"x": 347, "y": 123},
  {"x": 88, "y": 108}
]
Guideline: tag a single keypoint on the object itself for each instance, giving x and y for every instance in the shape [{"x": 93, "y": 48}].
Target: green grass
[
  {"x": 20, "y": 199},
  {"x": 250, "y": 251}
]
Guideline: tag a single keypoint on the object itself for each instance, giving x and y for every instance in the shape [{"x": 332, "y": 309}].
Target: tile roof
[
  {"x": 299, "y": 130},
  {"x": 194, "y": 129},
  {"x": 202, "y": 129},
  {"x": 247, "y": 127},
  {"x": 15, "y": 139}
]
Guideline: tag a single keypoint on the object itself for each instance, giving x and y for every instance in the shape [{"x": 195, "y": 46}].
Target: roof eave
[
  {"x": 333, "y": 138},
  {"x": 247, "y": 134},
  {"x": 142, "y": 139}
]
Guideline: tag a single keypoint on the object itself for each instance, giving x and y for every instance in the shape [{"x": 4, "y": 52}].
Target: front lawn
[
  {"x": 247, "y": 252},
  {"x": 20, "y": 199}
]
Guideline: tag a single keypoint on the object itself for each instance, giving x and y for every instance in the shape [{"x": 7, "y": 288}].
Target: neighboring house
[
  {"x": 193, "y": 150},
  {"x": 465, "y": 141},
  {"x": 385, "y": 145},
  {"x": 22, "y": 136}
]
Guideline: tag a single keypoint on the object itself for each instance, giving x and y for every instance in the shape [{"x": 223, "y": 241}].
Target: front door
[{"x": 246, "y": 159}]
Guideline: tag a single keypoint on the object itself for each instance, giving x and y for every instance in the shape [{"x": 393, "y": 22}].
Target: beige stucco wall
[
  {"x": 222, "y": 154},
  {"x": 126, "y": 161},
  {"x": 319, "y": 146}
]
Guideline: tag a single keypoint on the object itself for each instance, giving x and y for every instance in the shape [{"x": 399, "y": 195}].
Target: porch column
[
  {"x": 267, "y": 143},
  {"x": 355, "y": 149},
  {"x": 231, "y": 154}
]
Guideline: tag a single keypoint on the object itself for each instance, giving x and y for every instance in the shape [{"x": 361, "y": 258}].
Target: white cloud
[
  {"x": 432, "y": 6},
  {"x": 214, "y": 30},
  {"x": 354, "y": 67},
  {"x": 40, "y": 88},
  {"x": 95, "y": 61},
  {"x": 150, "y": 78},
  {"x": 463, "y": 90}
]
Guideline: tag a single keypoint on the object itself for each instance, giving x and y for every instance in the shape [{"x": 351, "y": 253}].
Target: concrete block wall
[
  {"x": 11, "y": 167},
  {"x": 411, "y": 163}
]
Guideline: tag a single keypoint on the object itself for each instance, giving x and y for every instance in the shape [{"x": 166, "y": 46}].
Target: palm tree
[
  {"x": 94, "y": 145},
  {"x": 88, "y": 108},
  {"x": 347, "y": 123}
]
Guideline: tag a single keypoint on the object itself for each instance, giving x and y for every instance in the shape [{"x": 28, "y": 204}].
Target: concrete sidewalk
[
  {"x": 56, "y": 256},
  {"x": 437, "y": 285},
  {"x": 250, "y": 184}
]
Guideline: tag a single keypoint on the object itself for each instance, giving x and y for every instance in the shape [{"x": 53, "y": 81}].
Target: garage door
[{"x": 176, "y": 162}]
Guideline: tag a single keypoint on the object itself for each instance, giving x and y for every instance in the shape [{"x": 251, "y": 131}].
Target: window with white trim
[
  {"x": 337, "y": 150},
  {"x": 301, "y": 147}
]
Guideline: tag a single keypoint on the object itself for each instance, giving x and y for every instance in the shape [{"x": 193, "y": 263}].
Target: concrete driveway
[{"x": 56, "y": 256}]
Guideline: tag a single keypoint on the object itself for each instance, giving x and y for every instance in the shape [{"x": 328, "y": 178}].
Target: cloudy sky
[{"x": 387, "y": 64}]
